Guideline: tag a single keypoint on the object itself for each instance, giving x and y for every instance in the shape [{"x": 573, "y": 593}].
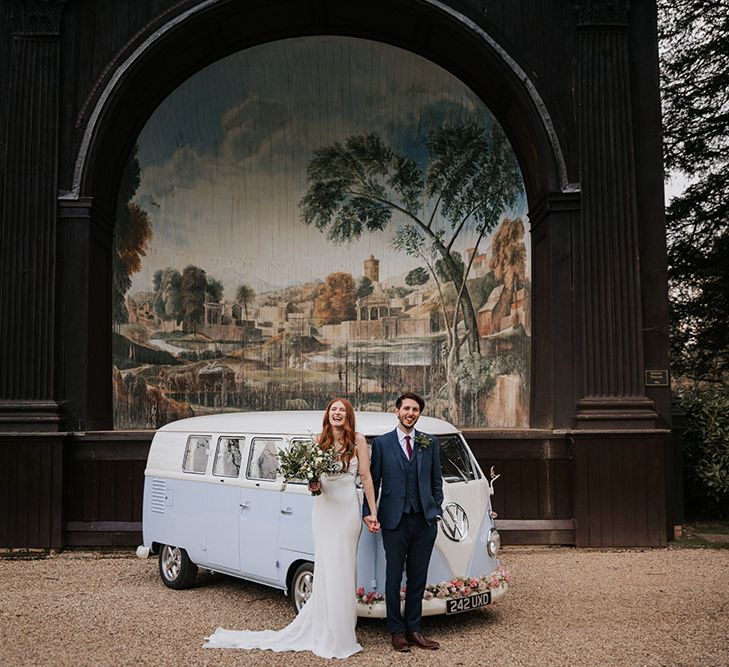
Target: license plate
[{"x": 466, "y": 604}]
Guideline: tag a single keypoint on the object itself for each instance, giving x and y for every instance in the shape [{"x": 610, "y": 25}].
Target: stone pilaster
[
  {"x": 28, "y": 224},
  {"x": 607, "y": 282}
]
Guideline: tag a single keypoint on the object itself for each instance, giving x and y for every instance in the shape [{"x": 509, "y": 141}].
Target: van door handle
[
  {"x": 287, "y": 510},
  {"x": 245, "y": 505}
]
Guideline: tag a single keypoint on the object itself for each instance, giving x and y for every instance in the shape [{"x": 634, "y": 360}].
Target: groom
[{"x": 407, "y": 464}]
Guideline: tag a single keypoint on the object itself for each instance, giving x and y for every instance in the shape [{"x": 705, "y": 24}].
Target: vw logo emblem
[{"x": 454, "y": 522}]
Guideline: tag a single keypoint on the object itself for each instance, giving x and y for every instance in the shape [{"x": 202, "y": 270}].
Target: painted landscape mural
[{"x": 319, "y": 217}]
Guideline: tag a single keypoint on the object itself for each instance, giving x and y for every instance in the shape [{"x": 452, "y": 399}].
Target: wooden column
[
  {"x": 84, "y": 305},
  {"x": 553, "y": 359},
  {"x": 607, "y": 284},
  {"x": 28, "y": 225}
]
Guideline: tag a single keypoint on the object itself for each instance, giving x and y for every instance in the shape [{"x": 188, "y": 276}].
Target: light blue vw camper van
[{"x": 214, "y": 498}]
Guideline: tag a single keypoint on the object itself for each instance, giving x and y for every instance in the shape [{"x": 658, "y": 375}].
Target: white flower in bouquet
[{"x": 306, "y": 460}]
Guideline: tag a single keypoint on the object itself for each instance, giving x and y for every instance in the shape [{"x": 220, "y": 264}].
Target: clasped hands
[{"x": 373, "y": 525}]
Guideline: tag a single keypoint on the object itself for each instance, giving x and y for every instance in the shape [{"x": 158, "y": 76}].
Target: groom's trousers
[{"x": 408, "y": 547}]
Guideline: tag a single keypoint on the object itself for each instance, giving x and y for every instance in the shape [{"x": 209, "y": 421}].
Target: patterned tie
[{"x": 408, "y": 447}]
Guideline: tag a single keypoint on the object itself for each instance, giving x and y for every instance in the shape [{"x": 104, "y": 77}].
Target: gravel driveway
[{"x": 565, "y": 607}]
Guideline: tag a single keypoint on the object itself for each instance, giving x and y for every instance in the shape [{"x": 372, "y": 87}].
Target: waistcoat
[{"x": 412, "y": 494}]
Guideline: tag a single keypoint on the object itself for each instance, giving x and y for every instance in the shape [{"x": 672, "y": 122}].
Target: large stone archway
[
  {"x": 146, "y": 73},
  {"x": 574, "y": 86}
]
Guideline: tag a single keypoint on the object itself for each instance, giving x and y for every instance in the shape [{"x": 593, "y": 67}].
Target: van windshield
[{"x": 455, "y": 462}]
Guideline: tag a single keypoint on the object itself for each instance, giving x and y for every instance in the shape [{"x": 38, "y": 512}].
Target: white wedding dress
[{"x": 325, "y": 625}]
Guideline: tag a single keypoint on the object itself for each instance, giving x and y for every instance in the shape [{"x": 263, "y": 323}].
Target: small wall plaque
[{"x": 656, "y": 378}]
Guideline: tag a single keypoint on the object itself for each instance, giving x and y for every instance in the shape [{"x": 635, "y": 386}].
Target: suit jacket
[{"x": 388, "y": 476}]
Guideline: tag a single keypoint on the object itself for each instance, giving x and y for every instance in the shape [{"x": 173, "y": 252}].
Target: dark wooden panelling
[
  {"x": 99, "y": 535},
  {"x": 620, "y": 492},
  {"x": 106, "y": 478},
  {"x": 537, "y": 536},
  {"x": 30, "y": 498},
  {"x": 603, "y": 490},
  {"x": 536, "y": 482},
  {"x": 105, "y": 488}
]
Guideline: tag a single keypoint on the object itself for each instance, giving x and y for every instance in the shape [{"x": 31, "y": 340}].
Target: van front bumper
[{"x": 432, "y": 607}]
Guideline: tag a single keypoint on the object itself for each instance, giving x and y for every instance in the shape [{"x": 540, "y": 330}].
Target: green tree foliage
[
  {"x": 418, "y": 276},
  {"x": 213, "y": 291},
  {"x": 365, "y": 287},
  {"x": 481, "y": 288},
  {"x": 398, "y": 292},
  {"x": 471, "y": 177},
  {"x": 446, "y": 275},
  {"x": 694, "y": 47},
  {"x": 132, "y": 231},
  {"x": 192, "y": 287},
  {"x": 168, "y": 294},
  {"x": 335, "y": 301},
  {"x": 245, "y": 295},
  {"x": 706, "y": 451}
]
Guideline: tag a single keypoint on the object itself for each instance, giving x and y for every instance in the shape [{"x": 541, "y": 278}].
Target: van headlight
[{"x": 494, "y": 543}]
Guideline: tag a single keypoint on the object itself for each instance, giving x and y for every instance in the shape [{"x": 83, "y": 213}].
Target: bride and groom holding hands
[{"x": 404, "y": 471}]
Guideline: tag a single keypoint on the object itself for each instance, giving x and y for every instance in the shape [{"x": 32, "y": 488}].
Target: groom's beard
[{"x": 405, "y": 426}]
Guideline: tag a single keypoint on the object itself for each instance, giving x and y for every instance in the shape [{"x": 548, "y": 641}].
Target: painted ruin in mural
[{"x": 321, "y": 217}]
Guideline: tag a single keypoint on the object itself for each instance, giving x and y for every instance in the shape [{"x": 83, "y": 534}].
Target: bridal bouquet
[{"x": 306, "y": 460}]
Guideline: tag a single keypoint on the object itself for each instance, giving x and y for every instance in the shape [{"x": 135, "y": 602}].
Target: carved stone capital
[
  {"x": 602, "y": 12},
  {"x": 36, "y": 17}
]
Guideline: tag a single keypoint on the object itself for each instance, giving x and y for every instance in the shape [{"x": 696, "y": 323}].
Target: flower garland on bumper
[{"x": 457, "y": 587}]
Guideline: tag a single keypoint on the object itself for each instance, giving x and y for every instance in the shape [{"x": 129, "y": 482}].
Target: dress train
[{"x": 326, "y": 624}]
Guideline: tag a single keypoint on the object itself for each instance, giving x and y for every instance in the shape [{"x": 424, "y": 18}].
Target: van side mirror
[{"x": 493, "y": 477}]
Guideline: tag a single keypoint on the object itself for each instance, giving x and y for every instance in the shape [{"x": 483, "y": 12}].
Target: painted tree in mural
[
  {"x": 365, "y": 287},
  {"x": 470, "y": 178},
  {"x": 192, "y": 287},
  {"x": 168, "y": 294},
  {"x": 335, "y": 301},
  {"x": 132, "y": 232},
  {"x": 213, "y": 290},
  {"x": 508, "y": 259},
  {"x": 245, "y": 296},
  {"x": 418, "y": 276}
]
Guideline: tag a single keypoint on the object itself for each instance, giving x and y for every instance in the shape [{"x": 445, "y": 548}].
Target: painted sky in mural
[
  {"x": 224, "y": 157},
  {"x": 223, "y": 166}
]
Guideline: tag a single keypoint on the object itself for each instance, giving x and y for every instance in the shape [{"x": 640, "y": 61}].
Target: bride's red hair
[{"x": 326, "y": 438}]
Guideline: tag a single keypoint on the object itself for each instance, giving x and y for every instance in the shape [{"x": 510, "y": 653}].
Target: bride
[{"x": 325, "y": 625}]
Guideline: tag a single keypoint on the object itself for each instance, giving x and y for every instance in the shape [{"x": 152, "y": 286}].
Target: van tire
[
  {"x": 175, "y": 567},
  {"x": 301, "y": 585}
]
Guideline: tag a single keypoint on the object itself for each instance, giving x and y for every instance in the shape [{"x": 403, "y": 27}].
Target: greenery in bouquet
[{"x": 306, "y": 460}]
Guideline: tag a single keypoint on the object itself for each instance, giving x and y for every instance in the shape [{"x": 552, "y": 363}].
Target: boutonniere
[{"x": 422, "y": 441}]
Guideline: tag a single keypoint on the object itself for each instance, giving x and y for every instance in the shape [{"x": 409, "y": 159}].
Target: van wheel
[
  {"x": 176, "y": 568},
  {"x": 301, "y": 585}
]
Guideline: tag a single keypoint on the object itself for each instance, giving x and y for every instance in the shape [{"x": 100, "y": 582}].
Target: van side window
[
  {"x": 227, "y": 457},
  {"x": 263, "y": 459},
  {"x": 455, "y": 462},
  {"x": 196, "y": 454}
]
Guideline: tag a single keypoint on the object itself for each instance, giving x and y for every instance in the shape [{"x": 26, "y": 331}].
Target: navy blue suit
[{"x": 411, "y": 495}]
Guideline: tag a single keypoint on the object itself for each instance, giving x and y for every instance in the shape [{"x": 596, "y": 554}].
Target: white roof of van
[{"x": 298, "y": 422}]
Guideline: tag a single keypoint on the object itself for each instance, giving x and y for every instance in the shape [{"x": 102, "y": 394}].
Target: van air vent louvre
[{"x": 159, "y": 495}]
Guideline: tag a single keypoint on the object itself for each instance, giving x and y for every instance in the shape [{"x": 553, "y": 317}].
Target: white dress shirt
[{"x": 401, "y": 438}]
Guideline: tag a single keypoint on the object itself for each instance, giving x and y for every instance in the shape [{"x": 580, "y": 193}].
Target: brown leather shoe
[
  {"x": 420, "y": 641},
  {"x": 399, "y": 643}
]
